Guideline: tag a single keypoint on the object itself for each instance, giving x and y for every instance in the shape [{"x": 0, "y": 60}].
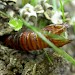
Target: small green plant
[{"x": 16, "y": 24}]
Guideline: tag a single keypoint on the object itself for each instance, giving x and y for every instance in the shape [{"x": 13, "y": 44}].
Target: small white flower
[
  {"x": 28, "y": 10},
  {"x": 56, "y": 18}
]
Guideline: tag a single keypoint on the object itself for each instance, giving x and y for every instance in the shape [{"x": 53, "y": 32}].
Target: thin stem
[
  {"x": 49, "y": 58},
  {"x": 62, "y": 9},
  {"x": 4, "y": 14}
]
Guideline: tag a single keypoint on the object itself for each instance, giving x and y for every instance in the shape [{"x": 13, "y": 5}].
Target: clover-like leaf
[{"x": 16, "y": 24}]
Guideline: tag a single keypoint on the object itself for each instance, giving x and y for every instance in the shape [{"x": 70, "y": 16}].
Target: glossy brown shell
[{"x": 31, "y": 41}]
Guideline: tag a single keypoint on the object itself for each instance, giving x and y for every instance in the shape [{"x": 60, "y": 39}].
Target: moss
[{"x": 13, "y": 62}]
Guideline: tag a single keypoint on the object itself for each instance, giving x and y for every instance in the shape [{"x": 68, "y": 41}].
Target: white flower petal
[
  {"x": 28, "y": 10},
  {"x": 56, "y": 18}
]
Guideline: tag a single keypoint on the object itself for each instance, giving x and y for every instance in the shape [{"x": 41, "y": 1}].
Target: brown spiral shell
[{"x": 31, "y": 41}]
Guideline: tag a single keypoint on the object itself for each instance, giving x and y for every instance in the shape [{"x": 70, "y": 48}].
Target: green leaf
[{"x": 16, "y": 24}]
